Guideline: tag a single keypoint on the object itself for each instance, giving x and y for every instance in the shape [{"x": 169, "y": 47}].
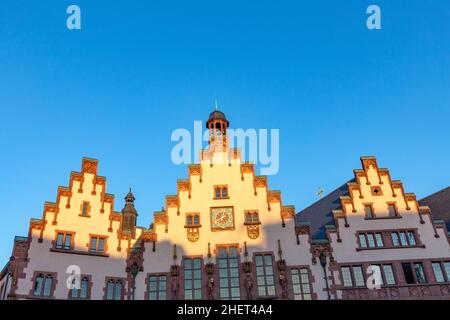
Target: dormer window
[{"x": 221, "y": 192}]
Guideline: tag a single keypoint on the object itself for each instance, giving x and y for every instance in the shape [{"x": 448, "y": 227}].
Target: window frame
[
  {"x": 366, "y": 244},
  {"x": 158, "y": 291},
  {"x": 372, "y": 211},
  {"x": 44, "y": 275},
  {"x": 224, "y": 192},
  {"x": 301, "y": 284},
  {"x": 85, "y": 205},
  {"x": 413, "y": 271},
  {"x": 192, "y": 280},
  {"x": 393, "y": 205},
  {"x": 105, "y": 244},
  {"x": 115, "y": 281},
  {"x": 252, "y": 214},
  {"x": 265, "y": 275},
  {"x": 79, "y": 291},
  {"x": 64, "y": 240},
  {"x": 229, "y": 286},
  {"x": 353, "y": 278},
  {"x": 192, "y": 216},
  {"x": 443, "y": 269},
  {"x": 406, "y": 233}
]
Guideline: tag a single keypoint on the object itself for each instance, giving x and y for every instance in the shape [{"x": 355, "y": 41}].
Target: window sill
[
  {"x": 268, "y": 297},
  {"x": 397, "y": 286},
  {"x": 399, "y": 247},
  {"x": 33, "y": 297},
  {"x": 84, "y": 216},
  {"x": 193, "y": 226},
  {"x": 383, "y": 218},
  {"x": 80, "y": 252},
  {"x": 224, "y": 198},
  {"x": 252, "y": 223}
]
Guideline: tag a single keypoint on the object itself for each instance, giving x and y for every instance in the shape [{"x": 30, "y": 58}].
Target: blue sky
[{"x": 137, "y": 70}]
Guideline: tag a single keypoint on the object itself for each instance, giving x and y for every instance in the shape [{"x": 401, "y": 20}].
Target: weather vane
[{"x": 320, "y": 192}]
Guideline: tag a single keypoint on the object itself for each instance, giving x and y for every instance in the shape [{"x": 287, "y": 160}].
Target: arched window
[
  {"x": 83, "y": 291},
  {"x": 114, "y": 288},
  {"x": 43, "y": 285},
  {"x": 38, "y": 284}
]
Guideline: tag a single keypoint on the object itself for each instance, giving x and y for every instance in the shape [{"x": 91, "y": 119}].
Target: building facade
[{"x": 226, "y": 235}]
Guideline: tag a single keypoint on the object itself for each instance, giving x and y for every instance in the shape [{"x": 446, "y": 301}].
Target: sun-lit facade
[{"x": 226, "y": 235}]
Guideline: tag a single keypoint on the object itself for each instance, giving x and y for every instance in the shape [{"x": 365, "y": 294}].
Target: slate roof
[
  {"x": 320, "y": 213},
  {"x": 439, "y": 203}
]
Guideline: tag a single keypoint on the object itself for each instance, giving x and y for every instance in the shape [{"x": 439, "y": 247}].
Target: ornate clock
[{"x": 222, "y": 218}]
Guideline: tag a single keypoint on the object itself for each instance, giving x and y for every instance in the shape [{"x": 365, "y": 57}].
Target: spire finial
[{"x": 215, "y": 104}]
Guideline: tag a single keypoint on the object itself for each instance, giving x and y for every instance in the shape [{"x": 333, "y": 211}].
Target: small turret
[{"x": 129, "y": 214}]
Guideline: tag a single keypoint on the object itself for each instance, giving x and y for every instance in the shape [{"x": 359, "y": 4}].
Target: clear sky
[{"x": 116, "y": 89}]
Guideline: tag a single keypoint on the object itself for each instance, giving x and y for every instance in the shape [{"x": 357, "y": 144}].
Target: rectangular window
[
  {"x": 251, "y": 217},
  {"x": 411, "y": 238},
  {"x": 362, "y": 240},
  {"x": 371, "y": 240},
  {"x": 447, "y": 270},
  {"x": 379, "y": 240},
  {"x": 221, "y": 192},
  {"x": 392, "y": 210},
  {"x": 193, "y": 220},
  {"x": 359, "y": 277},
  {"x": 347, "y": 277},
  {"x": 192, "y": 278},
  {"x": 389, "y": 274},
  {"x": 403, "y": 240},
  {"x": 368, "y": 211},
  {"x": 59, "y": 240},
  {"x": 420, "y": 274},
  {"x": 97, "y": 244},
  {"x": 85, "y": 208},
  {"x": 438, "y": 274},
  {"x": 353, "y": 276},
  {"x": 408, "y": 273},
  {"x": 64, "y": 241},
  {"x": 301, "y": 284},
  {"x": 414, "y": 273},
  {"x": 394, "y": 237},
  {"x": 228, "y": 262},
  {"x": 157, "y": 287},
  {"x": 264, "y": 275}
]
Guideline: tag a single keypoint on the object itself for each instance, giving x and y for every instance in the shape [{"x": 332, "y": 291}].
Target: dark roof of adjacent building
[
  {"x": 320, "y": 213},
  {"x": 439, "y": 203}
]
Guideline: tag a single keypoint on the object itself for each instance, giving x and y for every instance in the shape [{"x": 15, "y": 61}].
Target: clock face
[{"x": 222, "y": 218}]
